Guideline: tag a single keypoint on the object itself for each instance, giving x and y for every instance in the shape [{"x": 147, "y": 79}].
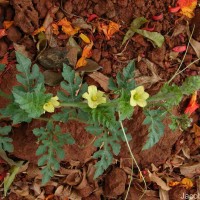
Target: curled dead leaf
[{"x": 153, "y": 177}]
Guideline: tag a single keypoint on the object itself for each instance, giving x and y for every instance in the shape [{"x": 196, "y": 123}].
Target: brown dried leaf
[
  {"x": 101, "y": 79},
  {"x": 21, "y": 49},
  {"x": 190, "y": 170},
  {"x": 47, "y": 25},
  {"x": 153, "y": 177},
  {"x": 163, "y": 194},
  {"x": 196, "y": 130},
  {"x": 148, "y": 81},
  {"x": 195, "y": 44},
  {"x": 186, "y": 151}
]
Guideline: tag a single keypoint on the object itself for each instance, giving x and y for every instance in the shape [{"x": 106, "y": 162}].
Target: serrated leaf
[
  {"x": 32, "y": 102},
  {"x": 156, "y": 127},
  {"x": 95, "y": 130},
  {"x": 15, "y": 113},
  {"x": 105, "y": 161},
  {"x": 171, "y": 94},
  {"x": 156, "y": 38},
  {"x": 125, "y": 109},
  {"x": 62, "y": 116},
  {"x": 190, "y": 85},
  {"x": 128, "y": 71},
  {"x": 71, "y": 85},
  {"x": 27, "y": 77},
  {"x": 115, "y": 147},
  {"x": 112, "y": 85}
]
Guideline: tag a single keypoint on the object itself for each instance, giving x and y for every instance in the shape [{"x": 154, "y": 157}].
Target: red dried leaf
[
  {"x": 149, "y": 28},
  {"x": 174, "y": 9},
  {"x": 158, "y": 17},
  {"x": 92, "y": 17},
  {"x": 7, "y": 24},
  {"x": 2, "y": 33},
  {"x": 180, "y": 48},
  {"x": 192, "y": 106}
]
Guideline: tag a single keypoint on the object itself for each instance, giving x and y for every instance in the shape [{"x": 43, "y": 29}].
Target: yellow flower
[
  {"x": 138, "y": 97},
  {"x": 94, "y": 97},
  {"x": 51, "y": 105}
]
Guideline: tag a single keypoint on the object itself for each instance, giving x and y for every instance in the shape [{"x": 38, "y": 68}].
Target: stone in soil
[
  {"x": 115, "y": 183},
  {"x": 14, "y": 34},
  {"x": 26, "y": 17},
  {"x": 3, "y": 48},
  {"x": 107, "y": 66}
]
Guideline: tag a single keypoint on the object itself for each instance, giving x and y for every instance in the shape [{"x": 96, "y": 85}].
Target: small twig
[{"x": 135, "y": 161}]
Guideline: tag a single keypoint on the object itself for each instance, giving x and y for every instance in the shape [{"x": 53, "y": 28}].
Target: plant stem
[
  {"x": 76, "y": 105},
  {"x": 177, "y": 71},
  {"x": 135, "y": 161}
]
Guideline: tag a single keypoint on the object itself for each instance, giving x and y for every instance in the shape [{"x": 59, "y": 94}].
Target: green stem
[{"x": 135, "y": 161}]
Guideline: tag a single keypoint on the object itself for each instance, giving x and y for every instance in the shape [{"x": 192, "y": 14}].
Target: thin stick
[
  {"x": 177, "y": 71},
  {"x": 135, "y": 161}
]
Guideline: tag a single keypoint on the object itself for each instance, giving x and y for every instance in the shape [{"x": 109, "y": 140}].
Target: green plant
[{"x": 104, "y": 116}]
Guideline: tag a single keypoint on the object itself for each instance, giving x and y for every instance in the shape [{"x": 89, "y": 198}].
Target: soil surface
[{"x": 74, "y": 180}]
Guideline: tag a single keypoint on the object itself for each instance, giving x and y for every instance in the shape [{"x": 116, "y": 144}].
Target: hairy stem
[{"x": 135, "y": 161}]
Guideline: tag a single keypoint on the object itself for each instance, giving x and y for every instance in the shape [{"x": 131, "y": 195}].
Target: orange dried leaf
[
  {"x": 109, "y": 30},
  {"x": 81, "y": 62},
  {"x": 39, "y": 30},
  {"x": 2, "y": 33},
  {"x": 67, "y": 27},
  {"x": 196, "y": 130},
  {"x": 192, "y": 106},
  {"x": 7, "y": 24},
  {"x": 187, "y": 7},
  {"x": 112, "y": 28},
  {"x": 86, "y": 54},
  {"x": 84, "y": 38},
  {"x": 55, "y": 28},
  {"x": 187, "y": 183},
  {"x": 87, "y": 50},
  {"x": 173, "y": 183}
]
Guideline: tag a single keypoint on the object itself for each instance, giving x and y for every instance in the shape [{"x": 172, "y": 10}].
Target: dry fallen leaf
[
  {"x": 39, "y": 30},
  {"x": 153, "y": 177},
  {"x": 84, "y": 38},
  {"x": 163, "y": 194},
  {"x": 21, "y": 49},
  {"x": 190, "y": 170},
  {"x": 101, "y": 79},
  {"x": 67, "y": 27},
  {"x": 109, "y": 30},
  {"x": 47, "y": 25},
  {"x": 2, "y": 33},
  {"x": 148, "y": 81},
  {"x": 7, "y": 24},
  {"x": 195, "y": 44},
  {"x": 85, "y": 54}
]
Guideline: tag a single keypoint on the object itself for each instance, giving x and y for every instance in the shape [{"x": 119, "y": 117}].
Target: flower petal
[
  {"x": 142, "y": 103},
  {"x": 49, "y": 107}
]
